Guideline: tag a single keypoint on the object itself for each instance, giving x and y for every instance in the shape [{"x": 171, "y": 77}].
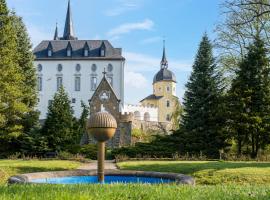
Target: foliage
[
  {"x": 249, "y": 101},
  {"x": 89, "y": 151},
  {"x": 58, "y": 128},
  {"x": 242, "y": 21},
  {"x": 208, "y": 172},
  {"x": 13, "y": 167},
  {"x": 12, "y": 106},
  {"x": 138, "y": 135},
  {"x": 202, "y": 120},
  {"x": 161, "y": 146},
  {"x": 176, "y": 115}
]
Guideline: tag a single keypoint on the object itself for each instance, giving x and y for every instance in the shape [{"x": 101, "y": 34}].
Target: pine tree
[
  {"x": 249, "y": 101},
  {"x": 58, "y": 127},
  {"x": 12, "y": 107},
  {"x": 201, "y": 124},
  {"x": 25, "y": 62}
]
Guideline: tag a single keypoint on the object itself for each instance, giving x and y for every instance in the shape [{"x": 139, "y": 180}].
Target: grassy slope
[
  {"x": 136, "y": 192},
  {"x": 208, "y": 172},
  {"x": 12, "y": 167}
]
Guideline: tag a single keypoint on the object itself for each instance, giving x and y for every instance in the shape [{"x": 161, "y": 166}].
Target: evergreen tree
[
  {"x": 249, "y": 101},
  {"x": 202, "y": 120},
  {"x": 12, "y": 107},
  {"x": 58, "y": 127},
  {"x": 25, "y": 62}
]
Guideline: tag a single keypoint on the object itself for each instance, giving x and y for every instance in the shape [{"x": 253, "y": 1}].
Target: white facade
[
  {"x": 50, "y": 76},
  {"x": 143, "y": 113}
]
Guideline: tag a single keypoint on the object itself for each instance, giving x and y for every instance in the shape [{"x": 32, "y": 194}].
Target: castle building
[
  {"x": 164, "y": 92},
  {"x": 78, "y": 66}
]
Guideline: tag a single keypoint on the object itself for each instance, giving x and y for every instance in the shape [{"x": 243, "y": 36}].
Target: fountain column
[{"x": 101, "y": 126}]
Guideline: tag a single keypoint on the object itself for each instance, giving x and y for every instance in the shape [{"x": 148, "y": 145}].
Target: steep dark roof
[
  {"x": 164, "y": 75},
  {"x": 59, "y": 48},
  {"x": 152, "y": 97}
]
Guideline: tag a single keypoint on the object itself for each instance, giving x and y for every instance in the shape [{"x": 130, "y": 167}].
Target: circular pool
[
  {"x": 108, "y": 180},
  {"x": 111, "y": 176}
]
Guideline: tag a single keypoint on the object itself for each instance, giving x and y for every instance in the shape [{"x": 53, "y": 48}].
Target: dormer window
[
  {"x": 49, "y": 48},
  {"x": 49, "y": 53},
  {"x": 86, "y": 53},
  {"x": 103, "y": 50},
  {"x": 69, "y": 52}
]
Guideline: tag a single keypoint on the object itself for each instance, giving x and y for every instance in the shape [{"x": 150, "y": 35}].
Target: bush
[{"x": 89, "y": 151}]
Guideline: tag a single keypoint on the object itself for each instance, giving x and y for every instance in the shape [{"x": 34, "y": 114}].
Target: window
[
  {"x": 69, "y": 52},
  {"x": 39, "y": 67},
  {"x": 73, "y": 100},
  {"x": 78, "y": 67},
  {"x": 102, "y": 52},
  {"x": 168, "y": 103},
  {"x": 94, "y": 67},
  {"x": 110, "y": 68},
  {"x": 93, "y": 83},
  {"x": 86, "y": 53},
  {"x": 77, "y": 83},
  {"x": 110, "y": 80},
  {"x": 168, "y": 117},
  {"x": 59, "y": 67},
  {"x": 59, "y": 82},
  {"x": 39, "y": 83},
  {"x": 168, "y": 88},
  {"x": 49, "y": 53}
]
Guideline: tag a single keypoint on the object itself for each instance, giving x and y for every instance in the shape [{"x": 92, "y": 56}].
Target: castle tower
[{"x": 164, "y": 91}]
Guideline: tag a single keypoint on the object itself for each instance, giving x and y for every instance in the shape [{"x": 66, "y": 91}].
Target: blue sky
[{"x": 137, "y": 26}]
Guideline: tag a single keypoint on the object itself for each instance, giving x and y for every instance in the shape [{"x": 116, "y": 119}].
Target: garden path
[{"x": 109, "y": 164}]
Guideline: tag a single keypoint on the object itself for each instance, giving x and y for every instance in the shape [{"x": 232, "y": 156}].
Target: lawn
[
  {"x": 250, "y": 187},
  {"x": 12, "y": 167},
  {"x": 209, "y": 172},
  {"x": 134, "y": 192}
]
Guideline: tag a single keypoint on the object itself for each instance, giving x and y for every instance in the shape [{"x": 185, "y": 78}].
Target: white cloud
[
  {"x": 123, "y": 6},
  {"x": 147, "y": 24},
  {"x": 138, "y": 62},
  {"x": 151, "y": 40},
  {"x": 135, "y": 80}
]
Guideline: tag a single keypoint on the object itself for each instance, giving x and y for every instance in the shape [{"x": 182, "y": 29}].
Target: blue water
[{"x": 108, "y": 180}]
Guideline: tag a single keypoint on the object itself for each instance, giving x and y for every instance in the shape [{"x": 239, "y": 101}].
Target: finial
[{"x": 164, "y": 62}]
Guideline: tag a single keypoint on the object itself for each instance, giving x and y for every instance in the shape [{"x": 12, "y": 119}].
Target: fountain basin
[{"x": 111, "y": 176}]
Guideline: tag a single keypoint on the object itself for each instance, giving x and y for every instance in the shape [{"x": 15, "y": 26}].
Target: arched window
[
  {"x": 146, "y": 116},
  {"x": 86, "y": 53},
  {"x": 49, "y": 53},
  {"x": 168, "y": 117},
  {"x": 137, "y": 115},
  {"x": 168, "y": 103},
  {"x": 168, "y": 88}
]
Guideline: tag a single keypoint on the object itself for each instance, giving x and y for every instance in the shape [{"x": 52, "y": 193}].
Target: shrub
[{"x": 89, "y": 151}]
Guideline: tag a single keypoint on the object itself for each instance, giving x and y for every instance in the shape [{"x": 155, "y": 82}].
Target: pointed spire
[
  {"x": 164, "y": 62},
  {"x": 69, "y": 31},
  {"x": 56, "y": 33}
]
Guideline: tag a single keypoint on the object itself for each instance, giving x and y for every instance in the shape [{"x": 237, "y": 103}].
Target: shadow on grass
[{"x": 190, "y": 168}]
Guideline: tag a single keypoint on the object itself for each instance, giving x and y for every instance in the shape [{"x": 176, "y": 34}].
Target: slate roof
[
  {"x": 59, "y": 48},
  {"x": 152, "y": 97},
  {"x": 164, "y": 75}
]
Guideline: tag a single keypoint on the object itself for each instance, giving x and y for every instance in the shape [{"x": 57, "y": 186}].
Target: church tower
[{"x": 164, "y": 91}]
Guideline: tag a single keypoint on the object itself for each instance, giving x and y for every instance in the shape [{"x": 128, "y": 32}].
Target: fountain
[{"x": 101, "y": 126}]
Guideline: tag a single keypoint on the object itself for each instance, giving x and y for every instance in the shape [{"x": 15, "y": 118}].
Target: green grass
[
  {"x": 136, "y": 192},
  {"x": 243, "y": 182},
  {"x": 12, "y": 167},
  {"x": 207, "y": 172}
]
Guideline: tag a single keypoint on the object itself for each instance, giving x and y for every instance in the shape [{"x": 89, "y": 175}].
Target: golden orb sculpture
[{"x": 102, "y": 126}]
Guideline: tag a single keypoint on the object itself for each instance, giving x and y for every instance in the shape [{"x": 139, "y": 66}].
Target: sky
[{"x": 136, "y": 26}]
